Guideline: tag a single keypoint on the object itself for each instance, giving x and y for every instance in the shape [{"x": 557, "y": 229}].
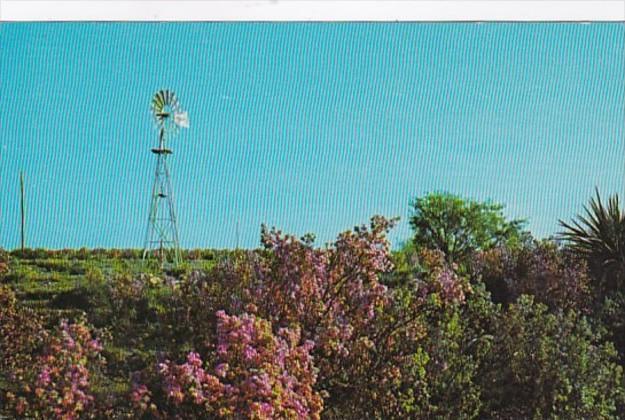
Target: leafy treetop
[{"x": 459, "y": 227}]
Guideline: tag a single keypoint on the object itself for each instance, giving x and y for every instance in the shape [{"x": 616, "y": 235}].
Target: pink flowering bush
[
  {"x": 221, "y": 288},
  {"x": 255, "y": 374},
  {"x": 57, "y": 383},
  {"x": 333, "y": 293},
  {"x": 21, "y": 335},
  {"x": 441, "y": 278}
]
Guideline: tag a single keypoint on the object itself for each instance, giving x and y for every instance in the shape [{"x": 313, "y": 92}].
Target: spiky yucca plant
[{"x": 598, "y": 236}]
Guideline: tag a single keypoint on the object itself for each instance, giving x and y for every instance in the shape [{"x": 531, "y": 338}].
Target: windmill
[{"x": 161, "y": 239}]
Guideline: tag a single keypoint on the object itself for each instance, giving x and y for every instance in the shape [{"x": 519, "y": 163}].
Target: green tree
[
  {"x": 460, "y": 227},
  {"x": 599, "y": 237}
]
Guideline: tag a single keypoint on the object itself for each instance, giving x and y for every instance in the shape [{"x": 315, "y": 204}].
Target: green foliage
[
  {"x": 546, "y": 365},
  {"x": 456, "y": 342},
  {"x": 72, "y": 267},
  {"x": 89, "y": 295},
  {"x": 460, "y": 227},
  {"x": 451, "y": 390},
  {"x": 598, "y": 235},
  {"x": 611, "y": 316}
]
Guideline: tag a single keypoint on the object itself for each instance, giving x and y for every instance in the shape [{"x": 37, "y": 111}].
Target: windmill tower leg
[{"x": 172, "y": 215}]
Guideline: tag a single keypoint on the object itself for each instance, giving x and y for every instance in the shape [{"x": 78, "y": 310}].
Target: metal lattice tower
[{"x": 161, "y": 239}]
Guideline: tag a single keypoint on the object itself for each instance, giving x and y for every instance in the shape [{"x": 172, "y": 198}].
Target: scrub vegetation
[{"x": 472, "y": 317}]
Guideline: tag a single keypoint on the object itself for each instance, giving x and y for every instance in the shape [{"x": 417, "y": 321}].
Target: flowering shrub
[
  {"x": 312, "y": 285},
  {"x": 21, "y": 337},
  {"x": 333, "y": 294},
  {"x": 57, "y": 384},
  {"x": 4, "y": 262},
  {"x": 256, "y": 374},
  {"x": 220, "y": 288},
  {"x": 441, "y": 279},
  {"x": 549, "y": 274},
  {"x": 363, "y": 332},
  {"x": 21, "y": 334}
]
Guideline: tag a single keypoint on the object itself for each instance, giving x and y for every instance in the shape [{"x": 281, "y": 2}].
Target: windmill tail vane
[{"x": 182, "y": 119}]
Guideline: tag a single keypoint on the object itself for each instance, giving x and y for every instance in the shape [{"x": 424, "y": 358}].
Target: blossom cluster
[
  {"x": 441, "y": 278},
  {"x": 57, "y": 383},
  {"x": 21, "y": 334},
  {"x": 255, "y": 374},
  {"x": 333, "y": 293}
]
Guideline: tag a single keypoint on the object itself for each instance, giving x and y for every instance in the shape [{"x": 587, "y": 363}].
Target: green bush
[
  {"x": 90, "y": 295},
  {"x": 611, "y": 316},
  {"x": 544, "y": 365}
]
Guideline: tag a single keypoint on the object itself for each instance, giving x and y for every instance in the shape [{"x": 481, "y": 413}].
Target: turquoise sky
[{"x": 308, "y": 127}]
